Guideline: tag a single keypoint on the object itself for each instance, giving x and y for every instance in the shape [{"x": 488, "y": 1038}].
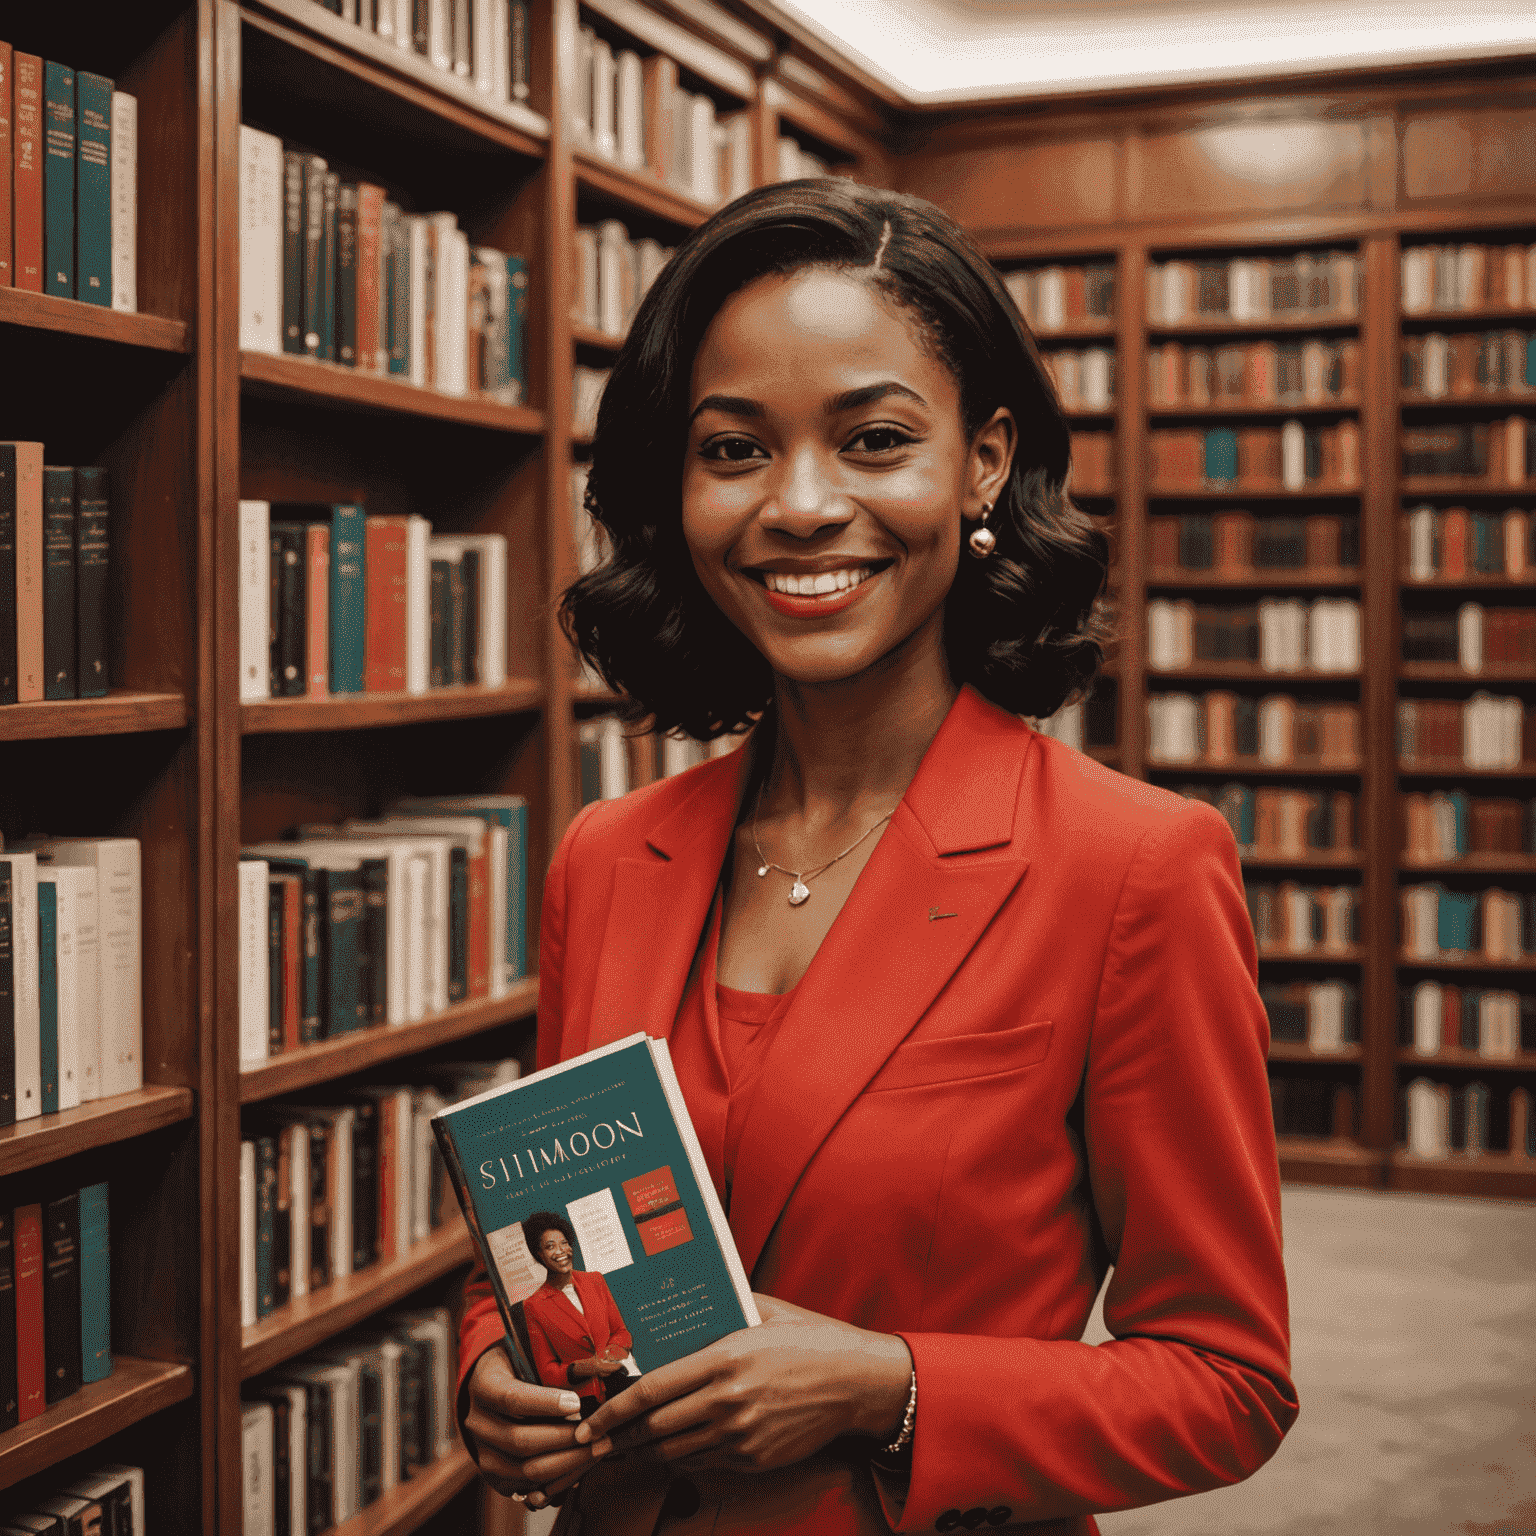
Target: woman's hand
[
  {"x": 594, "y": 1365},
  {"x": 523, "y": 1444},
  {"x": 763, "y": 1397}
]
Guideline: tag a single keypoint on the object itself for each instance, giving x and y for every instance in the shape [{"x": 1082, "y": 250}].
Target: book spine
[
  {"x": 294, "y": 247},
  {"x": 479, "y": 916},
  {"x": 320, "y": 1212},
  {"x": 314, "y": 255},
  {"x": 399, "y": 294},
  {"x": 58, "y": 180},
  {"x": 517, "y": 894},
  {"x": 317, "y": 610},
  {"x": 92, "y": 560},
  {"x": 261, "y": 241},
  {"x": 385, "y": 604},
  {"x": 27, "y": 167},
  {"x": 266, "y": 1210},
  {"x": 31, "y": 1368},
  {"x": 438, "y": 653},
  {"x": 25, "y": 975},
  {"x": 7, "y": 276},
  {"x": 458, "y": 924},
  {"x": 95, "y": 1285},
  {"x": 457, "y": 625},
  {"x": 7, "y": 1001},
  {"x": 376, "y": 922},
  {"x": 93, "y": 189},
  {"x": 7, "y": 573},
  {"x": 247, "y": 1233},
  {"x": 287, "y": 679},
  {"x": 58, "y": 583},
  {"x": 61, "y": 1298},
  {"x": 275, "y": 999},
  {"x": 519, "y": 48},
  {"x": 365, "y": 1185},
  {"x": 293, "y": 946},
  {"x": 473, "y": 639},
  {"x": 346, "y": 332},
  {"x": 348, "y": 600},
  {"x": 48, "y": 994},
  {"x": 255, "y": 601},
  {"x": 312, "y": 959},
  {"x": 370, "y": 217},
  {"x": 125, "y": 202},
  {"x": 254, "y": 975},
  {"x": 343, "y": 918},
  {"x": 8, "y": 1395},
  {"x": 282, "y": 1219},
  {"x": 29, "y": 572}
]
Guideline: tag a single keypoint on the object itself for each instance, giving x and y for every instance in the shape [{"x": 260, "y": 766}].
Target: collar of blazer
[
  {"x": 950, "y": 849},
  {"x": 553, "y": 1299}
]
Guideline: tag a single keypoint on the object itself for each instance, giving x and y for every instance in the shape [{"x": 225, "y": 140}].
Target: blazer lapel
[{"x": 915, "y": 913}]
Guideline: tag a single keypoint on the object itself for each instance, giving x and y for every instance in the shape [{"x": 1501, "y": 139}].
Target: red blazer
[
  {"x": 560, "y": 1334},
  {"x": 1030, "y": 1048}
]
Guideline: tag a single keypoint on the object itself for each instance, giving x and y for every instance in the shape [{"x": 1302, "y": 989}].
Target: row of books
[
  {"x": 69, "y": 182},
  {"x": 613, "y": 272},
  {"x": 796, "y": 163},
  {"x": 484, "y": 43},
  {"x": 633, "y": 111},
  {"x": 1093, "y": 463},
  {"x": 55, "y": 1301},
  {"x": 1315, "y": 371},
  {"x": 1486, "y": 731},
  {"x": 1438, "y": 1016},
  {"x": 1457, "y": 545},
  {"x": 381, "y": 922},
  {"x": 1290, "y": 457},
  {"x": 1317, "y": 285},
  {"x": 1085, "y": 723},
  {"x": 1443, "y": 1121},
  {"x": 1473, "y": 637},
  {"x": 108, "y": 1500},
  {"x": 1277, "y": 731},
  {"x": 607, "y": 756},
  {"x": 334, "y": 270},
  {"x": 1322, "y": 1015},
  {"x": 54, "y": 562},
  {"x": 1282, "y": 823},
  {"x": 1493, "y": 451},
  {"x": 1439, "y": 924},
  {"x": 1305, "y": 1105},
  {"x": 1241, "y": 544},
  {"x": 1449, "y": 824},
  {"x": 326, "y": 1436},
  {"x": 328, "y": 1189},
  {"x": 335, "y": 602},
  {"x": 587, "y": 386},
  {"x": 1085, "y": 380},
  {"x": 71, "y": 994},
  {"x": 1280, "y": 634},
  {"x": 1295, "y": 919},
  {"x": 1468, "y": 365},
  {"x": 1060, "y": 298},
  {"x": 1470, "y": 277}
]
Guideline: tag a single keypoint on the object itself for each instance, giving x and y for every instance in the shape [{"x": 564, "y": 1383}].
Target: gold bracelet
[{"x": 904, "y": 1439}]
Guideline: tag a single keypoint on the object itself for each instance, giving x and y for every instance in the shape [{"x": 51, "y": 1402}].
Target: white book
[
  {"x": 453, "y": 260},
  {"x": 418, "y": 605},
  {"x": 629, "y": 112},
  {"x": 258, "y": 1510},
  {"x": 1517, "y": 533},
  {"x": 585, "y": 304},
  {"x": 342, "y": 1406},
  {"x": 255, "y": 601},
  {"x": 704, "y": 164},
  {"x": 28, "y": 1048},
  {"x": 248, "y": 1235},
  {"x": 1418, "y": 281},
  {"x": 1095, "y": 379},
  {"x": 1469, "y": 636},
  {"x": 604, "y": 100},
  {"x": 1325, "y": 1017},
  {"x": 1436, "y": 356},
  {"x": 446, "y": 317},
  {"x": 344, "y": 1119},
  {"x": 261, "y": 241},
  {"x": 298, "y": 1214},
  {"x": 417, "y": 872},
  {"x": 1516, "y": 433},
  {"x": 1293, "y": 456},
  {"x": 1274, "y": 730},
  {"x": 680, "y": 753},
  {"x": 78, "y": 899},
  {"x": 1429, "y": 1118},
  {"x": 738, "y": 156},
  {"x": 1428, "y": 1014},
  {"x": 390, "y": 1353},
  {"x": 581, "y": 92},
  {"x": 416, "y": 234},
  {"x": 1421, "y": 544},
  {"x": 436, "y": 850},
  {"x": 501, "y": 51},
  {"x": 255, "y": 974},
  {"x": 1051, "y": 299},
  {"x": 483, "y": 42},
  {"x": 425, "y": 1102},
  {"x": 125, "y": 202},
  {"x": 66, "y": 970},
  {"x": 613, "y": 250},
  {"x": 789, "y": 159},
  {"x": 439, "y": 46},
  {"x": 402, "y": 23}
]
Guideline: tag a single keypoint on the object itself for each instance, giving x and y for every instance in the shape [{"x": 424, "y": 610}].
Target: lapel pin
[{"x": 934, "y": 914}]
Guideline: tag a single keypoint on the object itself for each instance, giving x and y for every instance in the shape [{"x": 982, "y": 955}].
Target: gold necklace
[{"x": 800, "y": 892}]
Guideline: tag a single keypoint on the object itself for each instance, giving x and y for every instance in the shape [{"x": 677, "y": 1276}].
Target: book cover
[
  {"x": 93, "y": 189},
  {"x": 31, "y": 1371},
  {"x": 346, "y": 274},
  {"x": 370, "y": 234},
  {"x": 27, "y": 172},
  {"x": 261, "y": 241},
  {"x": 8, "y": 1401},
  {"x": 28, "y": 554},
  {"x": 385, "y": 604},
  {"x": 48, "y": 995},
  {"x": 572, "y": 1141},
  {"x": 58, "y": 583},
  {"x": 95, "y": 1285},
  {"x": 266, "y": 1216},
  {"x": 92, "y": 564},
  {"x": 58, "y": 180},
  {"x": 8, "y": 469},
  {"x": 7, "y": 1000},
  {"x": 287, "y": 633},
  {"x": 256, "y": 1469},
  {"x": 61, "y": 1297},
  {"x": 125, "y": 202}
]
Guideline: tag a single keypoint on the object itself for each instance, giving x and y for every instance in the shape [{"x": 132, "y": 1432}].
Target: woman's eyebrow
[
  {"x": 731, "y": 405},
  {"x": 853, "y": 399}
]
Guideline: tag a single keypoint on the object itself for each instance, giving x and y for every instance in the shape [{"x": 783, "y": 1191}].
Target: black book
[
  {"x": 1528, "y": 1024},
  {"x": 469, "y": 564},
  {"x": 1197, "y": 550},
  {"x": 58, "y": 583},
  {"x": 7, "y": 1003},
  {"x": 1313, "y": 455},
  {"x": 92, "y": 560},
  {"x": 329, "y": 188},
  {"x": 282, "y": 1469},
  {"x": 275, "y": 973},
  {"x": 421, "y": 26},
  {"x": 8, "y": 1391},
  {"x": 287, "y": 628},
  {"x": 7, "y": 574},
  {"x": 282, "y": 1216},
  {"x": 375, "y": 974},
  {"x": 365, "y": 1183},
  {"x": 1245, "y": 726},
  {"x": 1349, "y": 541},
  {"x": 1287, "y": 1014},
  {"x": 346, "y": 273},
  {"x": 437, "y": 674},
  {"x": 319, "y": 1473},
  {"x": 370, "y": 1431},
  {"x": 1430, "y": 637},
  {"x": 1211, "y": 288},
  {"x": 456, "y": 639},
  {"x": 319, "y": 1210},
  {"x": 342, "y": 905},
  {"x": 314, "y": 231},
  {"x": 458, "y": 924},
  {"x": 266, "y": 1218},
  {"x": 61, "y": 1298},
  {"x": 1320, "y": 822},
  {"x": 293, "y": 251},
  {"x": 1279, "y": 544},
  {"x": 414, "y": 1450}
]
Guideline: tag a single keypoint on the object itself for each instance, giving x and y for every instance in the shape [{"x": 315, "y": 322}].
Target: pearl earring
[{"x": 983, "y": 540}]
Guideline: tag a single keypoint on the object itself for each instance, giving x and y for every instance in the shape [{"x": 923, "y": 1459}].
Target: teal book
[
  {"x": 399, "y": 274},
  {"x": 1462, "y": 811},
  {"x": 1221, "y": 454},
  {"x": 95, "y": 1285},
  {"x": 93, "y": 189},
  {"x": 344, "y": 906},
  {"x": 348, "y": 612},
  {"x": 48, "y": 990},
  {"x": 1458, "y": 920},
  {"x": 58, "y": 180},
  {"x": 517, "y": 324},
  {"x": 603, "y": 1143}
]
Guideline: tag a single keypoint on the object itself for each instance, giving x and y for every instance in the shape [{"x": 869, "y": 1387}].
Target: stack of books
[
  {"x": 1486, "y": 731},
  {"x": 796, "y": 163},
  {"x": 54, "y": 578},
  {"x": 1451, "y": 824},
  {"x": 1314, "y": 285},
  {"x": 1493, "y": 925},
  {"x": 1277, "y": 731},
  {"x": 1314, "y": 371},
  {"x": 1469, "y": 365},
  {"x": 1294, "y": 919},
  {"x": 1473, "y": 637},
  {"x": 1490, "y": 451},
  {"x": 1283, "y": 823},
  {"x": 70, "y": 224},
  {"x": 107, "y": 1499},
  {"x": 1238, "y": 544},
  {"x": 1458, "y": 545},
  {"x": 1440, "y": 1016},
  {"x": 1085, "y": 380},
  {"x": 1441, "y": 1120},
  {"x": 1290, "y": 457},
  {"x": 1279, "y": 634},
  {"x": 1322, "y": 1015},
  {"x": 1471, "y": 278},
  {"x": 613, "y": 273},
  {"x": 1060, "y": 298}
]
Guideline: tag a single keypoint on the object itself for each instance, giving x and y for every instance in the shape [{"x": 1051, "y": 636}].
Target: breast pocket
[{"x": 963, "y": 1058}]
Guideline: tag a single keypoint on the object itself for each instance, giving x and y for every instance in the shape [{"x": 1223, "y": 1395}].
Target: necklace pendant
[
  {"x": 763, "y": 871},
  {"x": 798, "y": 893}
]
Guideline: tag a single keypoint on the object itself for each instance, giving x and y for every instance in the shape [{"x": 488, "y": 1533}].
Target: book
[
  {"x": 8, "y": 1394},
  {"x": 287, "y": 677},
  {"x": 621, "y": 1117},
  {"x": 262, "y": 236},
  {"x": 256, "y": 1469},
  {"x": 31, "y": 1369},
  {"x": 25, "y": 977},
  {"x": 255, "y": 974},
  {"x": 95, "y": 1285},
  {"x": 79, "y": 983},
  {"x": 317, "y": 610},
  {"x": 330, "y": 187},
  {"x": 8, "y": 960},
  {"x": 344, "y": 347},
  {"x": 348, "y": 600},
  {"x": 48, "y": 996},
  {"x": 92, "y": 590},
  {"x": 7, "y": 274},
  {"x": 27, "y": 168},
  {"x": 125, "y": 202},
  {"x": 61, "y": 1297},
  {"x": 255, "y": 601},
  {"x": 93, "y": 189},
  {"x": 58, "y": 180},
  {"x": 119, "y": 1491},
  {"x": 23, "y": 464},
  {"x": 58, "y": 582},
  {"x": 386, "y": 564},
  {"x": 265, "y": 1175}
]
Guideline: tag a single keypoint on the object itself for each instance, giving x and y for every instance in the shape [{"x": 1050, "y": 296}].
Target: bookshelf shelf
[
  {"x": 1324, "y": 1160},
  {"x": 1345, "y": 405},
  {"x": 1471, "y": 584},
  {"x": 73, "y": 317},
  {"x": 1467, "y": 963},
  {"x": 1469, "y": 319},
  {"x": 1315, "y": 858},
  {"x": 1078, "y": 331},
  {"x": 637, "y": 190},
  {"x": 1240, "y": 493},
  {"x": 1317, "y": 325},
  {"x": 1085, "y": 414},
  {"x": 1483, "y": 399},
  {"x": 584, "y": 692},
  {"x": 121, "y": 713},
  {"x": 1453, "y": 1057},
  {"x": 590, "y": 336},
  {"x": 1473, "y": 864},
  {"x": 1493, "y": 1173},
  {"x": 1352, "y": 955},
  {"x": 45, "y": 1139},
  {"x": 1463, "y": 485},
  {"x": 1322, "y": 579},
  {"x": 327, "y": 1059},
  {"x": 1450, "y": 767},
  {"x": 1250, "y": 671},
  {"x": 302, "y": 1324},
  {"x": 1289, "y": 1050},
  {"x": 1250, "y": 766},
  {"x": 416, "y": 1500},
  {"x": 284, "y": 376},
  {"x": 1454, "y": 672},
  {"x": 135, "y": 1389},
  {"x": 361, "y": 711}
]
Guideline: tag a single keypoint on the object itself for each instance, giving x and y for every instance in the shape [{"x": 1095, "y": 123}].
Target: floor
[{"x": 1413, "y": 1325}]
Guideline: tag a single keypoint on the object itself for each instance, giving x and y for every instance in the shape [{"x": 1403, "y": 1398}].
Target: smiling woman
[{"x": 962, "y": 1019}]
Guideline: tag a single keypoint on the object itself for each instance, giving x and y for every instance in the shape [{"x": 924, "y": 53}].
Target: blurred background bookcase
[{"x": 188, "y": 425}]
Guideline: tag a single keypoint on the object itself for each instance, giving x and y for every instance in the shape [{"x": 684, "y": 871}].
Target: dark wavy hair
[
  {"x": 1023, "y": 626},
  {"x": 535, "y": 1226}
]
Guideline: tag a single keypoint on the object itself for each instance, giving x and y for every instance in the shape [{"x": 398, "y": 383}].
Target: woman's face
[
  {"x": 555, "y": 1253},
  {"x": 828, "y": 472}
]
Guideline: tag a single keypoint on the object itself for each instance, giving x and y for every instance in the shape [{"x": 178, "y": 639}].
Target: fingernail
[
  {"x": 583, "y": 1433},
  {"x": 535, "y": 1501},
  {"x": 570, "y": 1403}
]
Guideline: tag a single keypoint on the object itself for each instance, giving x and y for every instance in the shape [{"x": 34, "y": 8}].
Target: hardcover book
[
  {"x": 91, "y": 566},
  {"x": 605, "y": 1143},
  {"x": 93, "y": 190},
  {"x": 58, "y": 180}
]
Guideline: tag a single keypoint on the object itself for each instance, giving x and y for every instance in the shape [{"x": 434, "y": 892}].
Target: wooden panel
[
  {"x": 73, "y": 317},
  {"x": 1038, "y": 184},
  {"x": 122, "y": 711},
  {"x": 1469, "y": 153},
  {"x": 45, "y": 1139}
]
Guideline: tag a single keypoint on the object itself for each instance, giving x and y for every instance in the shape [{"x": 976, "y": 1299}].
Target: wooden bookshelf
[
  {"x": 416, "y": 1500},
  {"x": 361, "y": 711},
  {"x": 1344, "y": 405},
  {"x": 48, "y": 1138},
  {"x": 1250, "y": 671},
  {"x": 637, "y": 191},
  {"x": 1274, "y": 325},
  {"x": 1320, "y": 579},
  {"x": 1251, "y": 767},
  {"x": 1287, "y": 1050},
  {"x": 121, "y": 712},
  {"x": 73, "y": 317},
  {"x": 1454, "y": 672},
  {"x": 1237, "y": 495},
  {"x": 1313, "y": 858}
]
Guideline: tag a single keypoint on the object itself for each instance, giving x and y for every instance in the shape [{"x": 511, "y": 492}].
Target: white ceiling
[{"x": 931, "y": 51}]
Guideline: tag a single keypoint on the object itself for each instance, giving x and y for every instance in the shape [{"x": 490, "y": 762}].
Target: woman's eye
[
  {"x": 880, "y": 440},
  {"x": 732, "y": 450}
]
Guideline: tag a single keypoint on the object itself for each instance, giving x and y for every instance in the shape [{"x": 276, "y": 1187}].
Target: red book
[
  {"x": 480, "y": 921},
  {"x": 1453, "y": 544},
  {"x": 388, "y": 1129},
  {"x": 27, "y": 162},
  {"x": 370, "y": 219},
  {"x": 293, "y": 949},
  {"x": 6, "y": 152},
  {"x": 384, "y": 563},
  {"x": 317, "y": 609},
  {"x": 31, "y": 1373}
]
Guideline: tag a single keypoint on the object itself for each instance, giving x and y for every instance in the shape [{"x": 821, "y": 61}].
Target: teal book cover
[
  {"x": 342, "y": 930},
  {"x": 59, "y": 180},
  {"x": 95, "y": 1285},
  {"x": 93, "y": 189},
  {"x": 348, "y": 613},
  {"x": 599, "y": 1148},
  {"x": 1221, "y": 454},
  {"x": 48, "y": 989},
  {"x": 1457, "y": 920}
]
